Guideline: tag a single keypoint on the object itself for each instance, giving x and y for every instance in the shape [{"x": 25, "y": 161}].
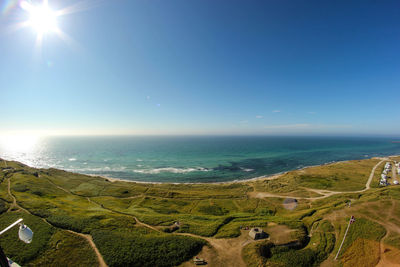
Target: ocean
[{"x": 179, "y": 159}]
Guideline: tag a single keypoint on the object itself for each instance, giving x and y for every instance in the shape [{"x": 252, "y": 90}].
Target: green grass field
[{"x": 130, "y": 223}]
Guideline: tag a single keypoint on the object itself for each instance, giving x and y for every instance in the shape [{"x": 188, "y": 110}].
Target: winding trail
[
  {"x": 220, "y": 252},
  {"x": 87, "y": 237},
  {"x": 14, "y": 204},
  {"x": 323, "y": 193}
]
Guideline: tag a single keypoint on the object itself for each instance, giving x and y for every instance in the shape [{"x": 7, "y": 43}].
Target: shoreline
[
  {"x": 263, "y": 177},
  {"x": 266, "y": 177}
]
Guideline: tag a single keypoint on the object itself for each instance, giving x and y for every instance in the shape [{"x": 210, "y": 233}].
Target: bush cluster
[{"x": 130, "y": 249}]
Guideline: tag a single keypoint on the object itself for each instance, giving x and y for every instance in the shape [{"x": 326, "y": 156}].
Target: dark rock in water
[{"x": 233, "y": 168}]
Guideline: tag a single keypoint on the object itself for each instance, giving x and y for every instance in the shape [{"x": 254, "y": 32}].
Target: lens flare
[
  {"x": 41, "y": 17},
  {"x": 43, "y": 20}
]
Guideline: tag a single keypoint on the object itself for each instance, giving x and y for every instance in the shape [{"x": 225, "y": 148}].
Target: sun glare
[
  {"x": 41, "y": 17},
  {"x": 43, "y": 20},
  {"x": 18, "y": 143}
]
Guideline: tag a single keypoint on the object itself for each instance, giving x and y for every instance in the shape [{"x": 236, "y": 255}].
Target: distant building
[
  {"x": 257, "y": 233},
  {"x": 199, "y": 261}
]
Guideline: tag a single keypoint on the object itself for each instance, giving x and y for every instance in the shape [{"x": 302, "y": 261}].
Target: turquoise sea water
[{"x": 193, "y": 159}]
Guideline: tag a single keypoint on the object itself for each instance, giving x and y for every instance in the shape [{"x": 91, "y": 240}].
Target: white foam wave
[
  {"x": 171, "y": 170},
  {"x": 94, "y": 169},
  {"x": 247, "y": 170},
  {"x": 72, "y": 159}
]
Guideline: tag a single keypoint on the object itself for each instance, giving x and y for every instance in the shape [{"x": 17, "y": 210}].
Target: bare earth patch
[
  {"x": 224, "y": 251},
  {"x": 280, "y": 234}
]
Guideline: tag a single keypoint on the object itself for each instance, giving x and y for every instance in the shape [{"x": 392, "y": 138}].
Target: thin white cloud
[
  {"x": 288, "y": 126},
  {"x": 276, "y": 111},
  {"x": 259, "y": 117},
  {"x": 307, "y": 126},
  {"x": 312, "y": 112}
]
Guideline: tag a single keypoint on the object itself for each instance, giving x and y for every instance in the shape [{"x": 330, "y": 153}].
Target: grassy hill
[{"x": 133, "y": 224}]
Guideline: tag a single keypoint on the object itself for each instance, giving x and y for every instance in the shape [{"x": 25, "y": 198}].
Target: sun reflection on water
[
  {"x": 22, "y": 148},
  {"x": 18, "y": 143}
]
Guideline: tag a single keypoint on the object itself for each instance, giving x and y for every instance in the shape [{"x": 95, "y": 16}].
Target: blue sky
[{"x": 204, "y": 67}]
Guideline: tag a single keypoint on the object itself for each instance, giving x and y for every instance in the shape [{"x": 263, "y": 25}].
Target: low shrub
[
  {"x": 129, "y": 249},
  {"x": 17, "y": 250},
  {"x": 213, "y": 210}
]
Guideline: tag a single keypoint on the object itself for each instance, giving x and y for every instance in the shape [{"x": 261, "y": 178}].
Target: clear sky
[{"x": 203, "y": 67}]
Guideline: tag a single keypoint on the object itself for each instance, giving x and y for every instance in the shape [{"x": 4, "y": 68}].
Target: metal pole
[
  {"x": 11, "y": 226},
  {"x": 344, "y": 237}
]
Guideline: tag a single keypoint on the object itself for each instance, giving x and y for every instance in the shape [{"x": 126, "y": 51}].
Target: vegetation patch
[
  {"x": 362, "y": 229},
  {"x": 295, "y": 252},
  {"x": 212, "y": 210},
  {"x": 393, "y": 240},
  {"x": 3, "y": 206},
  {"x": 362, "y": 252},
  {"x": 15, "y": 248},
  {"x": 130, "y": 249},
  {"x": 108, "y": 210},
  {"x": 66, "y": 249}
]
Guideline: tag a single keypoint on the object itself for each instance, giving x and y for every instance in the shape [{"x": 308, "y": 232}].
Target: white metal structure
[
  {"x": 352, "y": 219},
  {"x": 24, "y": 233}
]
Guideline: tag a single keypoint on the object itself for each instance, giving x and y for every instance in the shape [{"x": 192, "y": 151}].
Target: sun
[
  {"x": 41, "y": 17},
  {"x": 43, "y": 20}
]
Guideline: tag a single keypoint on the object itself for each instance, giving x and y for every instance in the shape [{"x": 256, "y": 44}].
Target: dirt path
[
  {"x": 59, "y": 187},
  {"x": 394, "y": 173},
  {"x": 389, "y": 256},
  {"x": 14, "y": 204},
  {"x": 382, "y": 255},
  {"x": 145, "y": 224},
  {"x": 89, "y": 239},
  {"x": 219, "y": 252},
  {"x": 222, "y": 252},
  {"x": 228, "y": 252},
  {"x": 323, "y": 193},
  {"x": 371, "y": 176}
]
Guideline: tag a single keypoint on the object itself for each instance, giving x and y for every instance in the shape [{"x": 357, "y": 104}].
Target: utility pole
[{"x": 352, "y": 219}]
